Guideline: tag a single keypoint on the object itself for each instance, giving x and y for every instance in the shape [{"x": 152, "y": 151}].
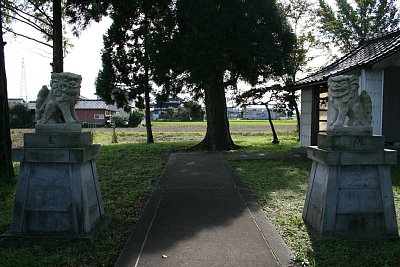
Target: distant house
[
  {"x": 377, "y": 63},
  {"x": 256, "y": 113},
  {"x": 15, "y": 101},
  {"x": 160, "y": 109},
  {"x": 234, "y": 113},
  {"x": 94, "y": 112}
]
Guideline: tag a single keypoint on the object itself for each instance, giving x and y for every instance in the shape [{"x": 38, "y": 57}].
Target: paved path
[{"x": 201, "y": 215}]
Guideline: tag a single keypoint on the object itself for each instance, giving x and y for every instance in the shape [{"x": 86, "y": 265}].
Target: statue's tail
[
  {"x": 366, "y": 103},
  {"x": 42, "y": 95}
]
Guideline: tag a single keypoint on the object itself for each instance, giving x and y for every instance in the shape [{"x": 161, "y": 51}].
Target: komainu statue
[
  {"x": 58, "y": 104},
  {"x": 352, "y": 113}
]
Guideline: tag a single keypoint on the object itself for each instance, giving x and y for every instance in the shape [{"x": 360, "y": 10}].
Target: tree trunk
[
  {"x": 6, "y": 166},
  {"x": 58, "y": 57},
  {"x": 217, "y": 136},
  {"x": 149, "y": 131},
  {"x": 275, "y": 141},
  {"x": 298, "y": 119}
]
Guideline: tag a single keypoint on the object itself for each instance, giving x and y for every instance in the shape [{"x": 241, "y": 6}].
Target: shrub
[
  {"x": 20, "y": 117},
  {"x": 120, "y": 120},
  {"x": 135, "y": 118}
]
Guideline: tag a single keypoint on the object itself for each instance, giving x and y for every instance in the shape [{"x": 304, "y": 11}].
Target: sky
[{"x": 84, "y": 59}]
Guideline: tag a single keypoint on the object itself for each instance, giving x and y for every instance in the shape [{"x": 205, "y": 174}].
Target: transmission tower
[{"x": 23, "y": 91}]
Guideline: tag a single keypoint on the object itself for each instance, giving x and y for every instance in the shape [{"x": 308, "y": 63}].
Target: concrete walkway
[{"x": 200, "y": 214}]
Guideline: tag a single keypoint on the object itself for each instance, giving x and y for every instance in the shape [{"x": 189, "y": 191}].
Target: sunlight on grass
[
  {"x": 263, "y": 143},
  {"x": 280, "y": 187}
]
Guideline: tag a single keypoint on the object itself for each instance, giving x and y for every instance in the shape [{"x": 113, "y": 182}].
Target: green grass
[
  {"x": 263, "y": 122},
  {"x": 263, "y": 142},
  {"x": 280, "y": 188},
  {"x": 250, "y": 142},
  {"x": 231, "y": 122},
  {"x": 127, "y": 174}
]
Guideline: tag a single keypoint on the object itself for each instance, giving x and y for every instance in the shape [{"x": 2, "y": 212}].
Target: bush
[
  {"x": 120, "y": 120},
  {"x": 135, "y": 118},
  {"x": 20, "y": 117}
]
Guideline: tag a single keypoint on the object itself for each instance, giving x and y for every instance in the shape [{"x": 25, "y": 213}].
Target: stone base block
[
  {"x": 351, "y": 143},
  {"x": 58, "y": 128},
  {"x": 46, "y": 236},
  {"x": 351, "y": 201},
  {"x": 58, "y": 193},
  {"x": 350, "y": 130},
  {"x": 57, "y": 140},
  {"x": 57, "y": 198}
]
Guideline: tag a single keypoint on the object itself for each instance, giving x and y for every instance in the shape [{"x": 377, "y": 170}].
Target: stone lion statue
[
  {"x": 58, "y": 104},
  {"x": 347, "y": 104}
]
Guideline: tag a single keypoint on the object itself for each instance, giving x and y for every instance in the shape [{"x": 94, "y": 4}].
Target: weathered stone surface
[
  {"x": 58, "y": 128},
  {"x": 350, "y": 194},
  {"x": 57, "y": 140},
  {"x": 58, "y": 193},
  {"x": 58, "y": 104},
  {"x": 378, "y": 157},
  {"x": 352, "y": 113},
  {"x": 352, "y": 143},
  {"x": 59, "y": 155}
]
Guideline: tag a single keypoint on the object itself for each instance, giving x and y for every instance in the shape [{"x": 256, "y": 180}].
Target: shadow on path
[{"x": 198, "y": 215}]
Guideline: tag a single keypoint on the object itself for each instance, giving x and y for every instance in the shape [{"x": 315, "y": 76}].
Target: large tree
[
  {"x": 222, "y": 41},
  {"x": 356, "y": 21},
  {"x": 301, "y": 15},
  {"x": 133, "y": 58},
  {"x": 6, "y": 167},
  {"x": 132, "y": 52},
  {"x": 212, "y": 44}
]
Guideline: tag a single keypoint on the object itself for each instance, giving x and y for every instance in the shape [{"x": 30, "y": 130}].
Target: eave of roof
[{"x": 366, "y": 54}]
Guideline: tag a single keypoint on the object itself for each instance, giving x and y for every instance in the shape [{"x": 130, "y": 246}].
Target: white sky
[{"x": 83, "y": 58}]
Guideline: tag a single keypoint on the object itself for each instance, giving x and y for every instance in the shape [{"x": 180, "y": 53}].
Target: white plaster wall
[
  {"x": 305, "y": 119},
  {"x": 372, "y": 82}
]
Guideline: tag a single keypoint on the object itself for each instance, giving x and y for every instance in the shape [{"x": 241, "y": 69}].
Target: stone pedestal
[
  {"x": 58, "y": 193},
  {"x": 350, "y": 189}
]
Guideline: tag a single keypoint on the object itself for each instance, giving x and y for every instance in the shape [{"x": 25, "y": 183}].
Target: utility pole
[{"x": 23, "y": 91}]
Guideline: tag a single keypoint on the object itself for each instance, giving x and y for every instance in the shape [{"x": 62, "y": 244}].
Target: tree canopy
[
  {"x": 222, "y": 41},
  {"x": 356, "y": 21},
  {"x": 206, "y": 46},
  {"x": 133, "y": 47}
]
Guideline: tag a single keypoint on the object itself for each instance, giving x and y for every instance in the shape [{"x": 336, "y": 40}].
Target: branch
[
  {"x": 27, "y": 37},
  {"x": 29, "y": 23},
  {"x": 14, "y": 9},
  {"x": 49, "y": 19}
]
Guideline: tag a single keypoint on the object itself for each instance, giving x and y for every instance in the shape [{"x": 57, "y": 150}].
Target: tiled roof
[
  {"x": 93, "y": 104},
  {"x": 84, "y": 104},
  {"x": 368, "y": 52},
  {"x": 14, "y": 101}
]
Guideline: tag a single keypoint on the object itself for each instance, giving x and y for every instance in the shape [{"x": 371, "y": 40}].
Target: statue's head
[
  {"x": 343, "y": 84},
  {"x": 66, "y": 81}
]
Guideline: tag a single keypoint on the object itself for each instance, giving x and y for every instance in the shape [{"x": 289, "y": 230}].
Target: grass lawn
[
  {"x": 127, "y": 174},
  {"x": 231, "y": 122},
  {"x": 280, "y": 188}
]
